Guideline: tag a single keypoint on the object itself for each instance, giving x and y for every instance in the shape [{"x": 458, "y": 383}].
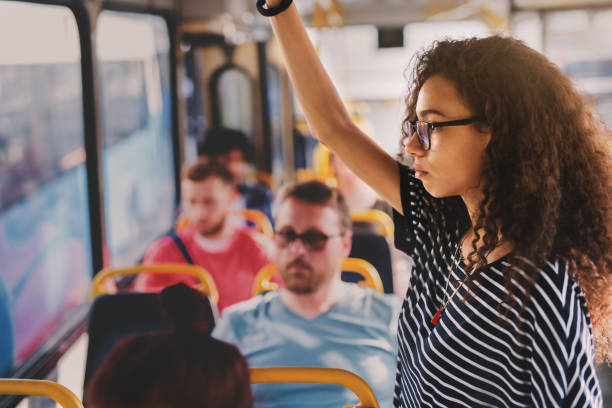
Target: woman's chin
[{"x": 437, "y": 191}]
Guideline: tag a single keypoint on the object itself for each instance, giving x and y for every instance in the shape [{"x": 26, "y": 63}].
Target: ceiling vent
[{"x": 390, "y": 37}]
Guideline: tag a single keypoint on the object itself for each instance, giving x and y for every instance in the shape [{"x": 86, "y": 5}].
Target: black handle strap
[
  {"x": 181, "y": 246},
  {"x": 264, "y": 10}
]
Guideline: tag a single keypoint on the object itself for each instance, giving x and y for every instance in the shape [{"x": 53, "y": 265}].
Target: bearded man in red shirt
[{"x": 231, "y": 252}]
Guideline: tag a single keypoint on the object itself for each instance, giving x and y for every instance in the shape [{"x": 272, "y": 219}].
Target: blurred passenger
[
  {"x": 232, "y": 254},
  {"x": 360, "y": 197},
  {"x": 232, "y": 148},
  {"x": 183, "y": 368},
  {"x": 317, "y": 320}
]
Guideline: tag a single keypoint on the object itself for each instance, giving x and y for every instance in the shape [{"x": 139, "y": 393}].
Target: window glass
[
  {"x": 578, "y": 41},
  {"x": 45, "y": 243},
  {"x": 276, "y": 121},
  {"x": 138, "y": 168},
  {"x": 235, "y": 92}
]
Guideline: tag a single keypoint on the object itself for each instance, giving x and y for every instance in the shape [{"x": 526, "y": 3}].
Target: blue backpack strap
[{"x": 181, "y": 246}]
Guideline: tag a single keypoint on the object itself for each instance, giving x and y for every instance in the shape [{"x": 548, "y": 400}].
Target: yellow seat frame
[
  {"x": 377, "y": 217},
  {"x": 318, "y": 375},
  {"x": 41, "y": 388},
  {"x": 207, "y": 284},
  {"x": 369, "y": 273}
]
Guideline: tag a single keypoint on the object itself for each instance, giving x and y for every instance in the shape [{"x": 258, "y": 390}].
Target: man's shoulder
[
  {"x": 249, "y": 311},
  {"x": 369, "y": 303}
]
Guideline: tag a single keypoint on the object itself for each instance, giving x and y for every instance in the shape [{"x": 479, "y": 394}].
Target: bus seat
[
  {"x": 40, "y": 388},
  {"x": 374, "y": 249},
  {"x": 259, "y": 220},
  {"x": 255, "y": 218},
  {"x": 264, "y": 178},
  {"x": 379, "y": 219},
  {"x": 305, "y": 175},
  {"x": 362, "y": 267},
  {"x": 319, "y": 375},
  {"x": 207, "y": 284},
  {"x": 114, "y": 317}
]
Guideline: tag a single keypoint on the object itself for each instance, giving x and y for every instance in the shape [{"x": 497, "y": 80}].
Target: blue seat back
[
  {"x": 374, "y": 249},
  {"x": 114, "y": 317}
]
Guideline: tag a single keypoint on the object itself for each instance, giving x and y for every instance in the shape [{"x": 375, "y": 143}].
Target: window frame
[{"x": 43, "y": 362}]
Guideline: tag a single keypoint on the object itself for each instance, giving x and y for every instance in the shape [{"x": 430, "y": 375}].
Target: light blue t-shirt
[{"x": 359, "y": 334}]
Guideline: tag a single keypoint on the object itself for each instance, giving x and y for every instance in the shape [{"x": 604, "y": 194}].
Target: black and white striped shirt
[{"x": 476, "y": 356}]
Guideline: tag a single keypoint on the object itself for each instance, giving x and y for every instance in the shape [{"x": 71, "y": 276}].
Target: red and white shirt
[{"x": 232, "y": 262}]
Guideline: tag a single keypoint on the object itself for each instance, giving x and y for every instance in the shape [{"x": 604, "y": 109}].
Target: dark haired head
[
  {"x": 203, "y": 169},
  {"x": 316, "y": 192},
  {"x": 547, "y": 180},
  {"x": 221, "y": 141},
  {"x": 188, "y": 309},
  {"x": 182, "y": 368}
]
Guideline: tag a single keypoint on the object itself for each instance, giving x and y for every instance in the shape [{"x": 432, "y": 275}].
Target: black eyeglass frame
[
  {"x": 291, "y": 236},
  {"x": 426, "y": 143}
]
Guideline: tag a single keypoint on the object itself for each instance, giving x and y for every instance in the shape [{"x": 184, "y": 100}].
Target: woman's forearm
[
  {"x": 320, "y": 101},
  {"x": 325, "y": 112}
]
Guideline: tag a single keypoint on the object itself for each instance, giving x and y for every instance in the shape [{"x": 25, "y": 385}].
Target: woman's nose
[{"x": 412, "y": 146}]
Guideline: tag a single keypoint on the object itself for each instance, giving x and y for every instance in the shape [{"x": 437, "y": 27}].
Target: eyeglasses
[
  {"x": 423, "y": 129},
  {"x": 312, "y": 240}
]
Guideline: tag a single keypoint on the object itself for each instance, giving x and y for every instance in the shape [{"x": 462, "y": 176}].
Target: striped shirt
[{"x": 476, "y": 356}]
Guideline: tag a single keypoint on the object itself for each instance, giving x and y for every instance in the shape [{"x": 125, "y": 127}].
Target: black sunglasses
[
  {"x": 423, "y": 129},
  {"x": 312, "y": 240}
]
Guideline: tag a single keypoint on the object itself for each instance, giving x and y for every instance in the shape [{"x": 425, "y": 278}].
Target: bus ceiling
[{"x": 383, "y": 13}]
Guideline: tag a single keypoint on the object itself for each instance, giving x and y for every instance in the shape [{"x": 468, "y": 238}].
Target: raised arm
[{"x": 326, "y": 114}]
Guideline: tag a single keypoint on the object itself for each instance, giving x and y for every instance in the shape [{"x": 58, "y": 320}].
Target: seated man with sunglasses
[{"x": 316, "y": 320}]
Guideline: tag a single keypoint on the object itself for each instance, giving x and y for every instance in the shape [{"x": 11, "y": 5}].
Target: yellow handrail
[
  {"x": 264, "y": 178},
  {"x": 377, "y": 217},
  {"x": 305, "y": 175},
  {"x": 49, "y": 389},
  {"x": 318, "y": 375},
  {"x": 370, "y": 275},
  {"x": 261, "y": 221},
  {"x": 262, "y": 281},
  {"x": 207, "y": 284},
  {"x": 322, "y": 165}
]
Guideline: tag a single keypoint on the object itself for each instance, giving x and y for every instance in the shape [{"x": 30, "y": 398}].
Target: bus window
[
  {"x": 137, "y": 159},
  {"x": 577, "y": 40},
  {"x": 276, "y": 121},
  {"x": 235, "y": 92},
  {"x": 45, "y": 243}
]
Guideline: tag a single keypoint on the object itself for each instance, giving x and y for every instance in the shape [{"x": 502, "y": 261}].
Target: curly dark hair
[{"x": 547, "y": 172}]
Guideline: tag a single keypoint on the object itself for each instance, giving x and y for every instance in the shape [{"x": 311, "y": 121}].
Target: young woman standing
[{"x": 506, "y": 211}]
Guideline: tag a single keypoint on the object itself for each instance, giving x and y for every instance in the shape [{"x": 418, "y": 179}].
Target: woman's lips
[{"x": 419, "y": 173}]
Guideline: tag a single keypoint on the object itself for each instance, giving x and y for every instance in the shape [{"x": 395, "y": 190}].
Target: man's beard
[
  {"x": 307, "y": 283},
  {"x": 214, "y": 230}
]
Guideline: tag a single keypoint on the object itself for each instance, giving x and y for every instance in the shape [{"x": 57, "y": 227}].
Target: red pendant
[{"x": 434, "y": 320}]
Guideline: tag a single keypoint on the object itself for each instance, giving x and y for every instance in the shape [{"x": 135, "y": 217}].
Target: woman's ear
[{"x": 485, "y": 131}]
